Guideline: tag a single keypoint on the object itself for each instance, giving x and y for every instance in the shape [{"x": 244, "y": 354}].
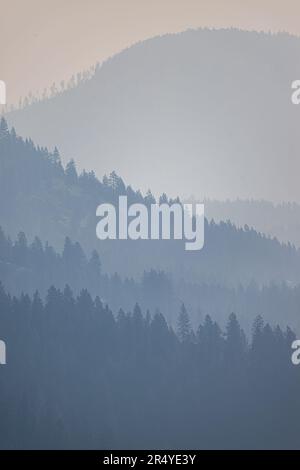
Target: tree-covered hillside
[
  {"x": 27, "y": 267},
  {"x": 205, "y": 112},
  {"x": 46, "y": 200}
]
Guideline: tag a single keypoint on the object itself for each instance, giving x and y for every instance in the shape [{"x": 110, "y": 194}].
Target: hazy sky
[{"x": 49, "y": 40}]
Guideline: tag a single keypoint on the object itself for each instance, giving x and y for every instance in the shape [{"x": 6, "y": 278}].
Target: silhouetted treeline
[
  {"x": 278, "y": 220},
  {"x": 79, "y": 377},
  {"x": 26, "y": 267},
  {"x": 46, "y": 200}
]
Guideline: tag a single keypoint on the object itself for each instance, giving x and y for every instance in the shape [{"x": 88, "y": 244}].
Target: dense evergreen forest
[
  {"x": 26, "y": 267},
  {"x": 88, "y": 379},
  {"x": 46, "y": 200},
  {"x": 134, "y": 345}
]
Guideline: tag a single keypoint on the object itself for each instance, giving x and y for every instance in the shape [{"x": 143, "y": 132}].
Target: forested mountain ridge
[
  {"x": 206, "y": 112},
  {"x": 140, "y": 344},
  {"x": 276, "y": 220},
  {"x": 43, "y": 199},
  {"x": 29, "y": 267}
]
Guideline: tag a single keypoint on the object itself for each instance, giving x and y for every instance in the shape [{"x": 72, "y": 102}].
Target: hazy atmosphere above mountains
[
  {"x": 203, "y": 112},
  {"x": 66, "y": 36}
]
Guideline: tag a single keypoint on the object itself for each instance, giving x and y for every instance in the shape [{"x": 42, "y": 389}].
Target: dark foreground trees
[{"x": 78, "y": 377}]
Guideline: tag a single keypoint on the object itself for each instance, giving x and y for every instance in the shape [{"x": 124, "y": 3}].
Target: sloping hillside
[
  {"x": 206, "y": 112},
  {"x": 43, "y": 199}
]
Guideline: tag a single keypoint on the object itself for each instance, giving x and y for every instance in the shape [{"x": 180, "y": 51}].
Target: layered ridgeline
[
  {"x": 204, "y": 112},
  {"x": 279, "y": 220},
  {"x": 29, "y": 267},
  {"x": 43, "y": 199}
]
